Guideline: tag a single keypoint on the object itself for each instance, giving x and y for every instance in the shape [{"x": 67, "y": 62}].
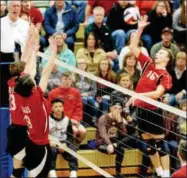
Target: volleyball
[{"x": 131, "y": 15}]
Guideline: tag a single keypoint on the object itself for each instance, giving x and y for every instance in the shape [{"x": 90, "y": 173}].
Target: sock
[
  {"x": 166, "y": 173},
  {"x": 159, "y": 171},
  {"x": 52, "y": 173},
  {"x": 73, "y": 174}
]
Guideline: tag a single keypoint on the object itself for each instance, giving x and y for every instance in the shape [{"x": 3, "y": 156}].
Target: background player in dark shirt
[{"x": 155, "y": 80}]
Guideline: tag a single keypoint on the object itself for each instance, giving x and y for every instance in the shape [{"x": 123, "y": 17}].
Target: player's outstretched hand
[
  {"x": 142, "y": 23},
  {"x": 52, "y": 45}
]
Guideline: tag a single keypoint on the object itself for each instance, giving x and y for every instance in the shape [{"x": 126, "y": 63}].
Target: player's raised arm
[
  {"x": 134, "y": 45},
  {"x": 33, "y": 44},
  {"x": 48, "y": 68}
]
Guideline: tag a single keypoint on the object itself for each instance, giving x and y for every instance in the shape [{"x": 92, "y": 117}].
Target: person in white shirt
[{"x": 13, "y": 30}]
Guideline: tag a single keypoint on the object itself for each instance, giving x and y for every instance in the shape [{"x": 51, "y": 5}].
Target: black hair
[
  {"x": 24, "y": 85},
  {"x": 97, "y": 45},
  {"x": 57, "y": 100}
]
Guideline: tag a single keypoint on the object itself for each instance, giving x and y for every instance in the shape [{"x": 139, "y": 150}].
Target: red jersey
[
  {"x": 107, "y": 5},
  {"x": 35, "y": 15},
  {"x": 72, "y": 101},
  {"x": 145, "y": 6},
  {"x": 36, "y": 110},
  {"x": 15, "y": 103},
  {"x": 181, "y": 173},
  {"x": 150, "y": 79}
]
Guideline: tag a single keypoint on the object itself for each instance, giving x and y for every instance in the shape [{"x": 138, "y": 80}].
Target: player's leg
[
  {"x": 17, "y": 137},
  {"x": 38, "y": 160}
]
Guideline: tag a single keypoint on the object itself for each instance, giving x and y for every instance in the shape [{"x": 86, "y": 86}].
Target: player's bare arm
[
  {"x": 49, "y": 66},
  {"x": 141, "y": 25}
]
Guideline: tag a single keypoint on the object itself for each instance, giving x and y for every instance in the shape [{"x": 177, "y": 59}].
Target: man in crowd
[{"x": 61, "y": 17}]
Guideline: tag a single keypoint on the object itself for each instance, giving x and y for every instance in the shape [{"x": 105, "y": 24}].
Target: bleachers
[{"x": 131, "y": 162}]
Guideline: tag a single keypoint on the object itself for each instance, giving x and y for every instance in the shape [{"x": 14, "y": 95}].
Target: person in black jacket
[
  {"x": 178, "y": 91},
  {"x": 60, "y": 127}
]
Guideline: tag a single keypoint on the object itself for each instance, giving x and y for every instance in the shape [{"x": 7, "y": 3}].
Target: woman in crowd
[
  {"x": 88, "y": 91},
  {"x": 178, "y": 91},
  {"x": 103, "y": 93},
  {"x": 129, "y": 66},
  {"x": 91, "y": 52},
  {"x": 179, "y": 23},
  {"x": 127, "y": 49},
  {"x": 63, "y": 53},
  {"x": 159, "y": 17}
]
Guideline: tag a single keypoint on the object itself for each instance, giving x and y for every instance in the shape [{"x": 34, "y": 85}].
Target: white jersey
[{"x": 58, "y": 128}]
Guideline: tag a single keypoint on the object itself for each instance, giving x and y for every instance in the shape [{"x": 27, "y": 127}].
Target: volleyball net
[{"x": 171, "y": 114}]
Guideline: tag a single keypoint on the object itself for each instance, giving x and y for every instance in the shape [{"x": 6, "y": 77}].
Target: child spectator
[
  {"x": 88, "y": 91},
  {"x": 63, "y": 53},
  {"x": 60, "y": 127},
  {"x": 91, "y": 52}
]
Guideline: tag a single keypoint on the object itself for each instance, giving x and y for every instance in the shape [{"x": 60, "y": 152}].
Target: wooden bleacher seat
[
  {"x": 90, "y": 135},
  {"x": 78, "y": 45},
  {"x": 131, "y": 162},
  {"x": 80, "y": 32}
]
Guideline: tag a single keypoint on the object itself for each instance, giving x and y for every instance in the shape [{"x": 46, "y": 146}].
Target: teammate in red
[
  {"x": 182, "y": 152},
  {"x": 36, "y": 110},
  {"x": 17, "y": 131},
  {"x": 155, "y": 80}
]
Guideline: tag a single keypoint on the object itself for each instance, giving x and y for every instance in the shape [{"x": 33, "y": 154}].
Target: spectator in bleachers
[
  {"x": 182, "y": 152},
  {"x": 13, "y": 31},
  {"x": 145, "y": 6},
  {"x": 91, "y": 4},
  {"x": 119, "y": 27},
  {"x": 72, "y": 104},
  {"x": 180, "y": 23},
  {"x": 88, "y": 91},
  {"x": 103, "y": 33},
  {"x": 159, "y": 18},
  {"x": 167, "y": 36},
  {"x": 3, "y": 9},
  {"x": 91, "y": 52},
  {"x": 63, "y": 53},
  {"x": 60, "y": 127},
  {"x": 111, "y": 129},
  {"x": 103, "y": 92},
  {"x": 178, "y": 91},
  {"x": 78, "y": 5},
  {"x": 127, "y": 49},
  {"x": 129, "y": 67},
  {"x": 54, "y": 79},
  {"x": 34, "y": 16},
  {"x": 61, "y": 17}
]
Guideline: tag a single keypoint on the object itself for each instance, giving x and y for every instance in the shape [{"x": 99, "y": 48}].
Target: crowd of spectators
[{"x": 106, "y": 53}]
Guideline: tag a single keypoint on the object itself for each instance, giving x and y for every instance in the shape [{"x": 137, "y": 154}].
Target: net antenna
[
  {"x": 81, "y": 158},
  {"x": 119, "y": 88}
]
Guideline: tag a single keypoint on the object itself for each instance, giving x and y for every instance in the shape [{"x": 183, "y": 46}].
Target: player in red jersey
[
  {"x": 36, "y": 110},
  {"x": 17, "y": 131},
  {"x": 155, "y": 80},
  {"x": 182, "y": 152}
]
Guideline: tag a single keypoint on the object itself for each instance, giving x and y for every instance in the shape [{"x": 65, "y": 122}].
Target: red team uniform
[
  {"x": 17, "y": 131},
  {"x": 181, "y": 173},
  {"x": 36, "y": 110},
  {"x": 149, "y": 81},
  {"x": 72, "y": 101}
]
